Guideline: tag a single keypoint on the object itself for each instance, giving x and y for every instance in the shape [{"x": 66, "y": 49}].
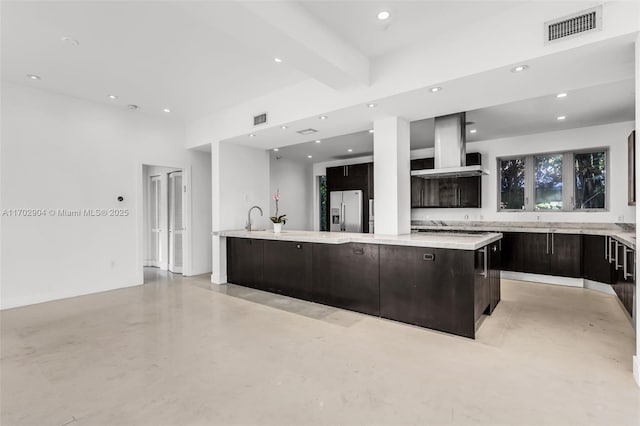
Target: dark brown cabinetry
[
  {"x": 623, "y": 260},
  {"x": 287, "y": 268},
  {"x": 445, "y": 192},
  {"x": 353, "y": 177},
  {"x": 595, "y": 255},
  {"x": 441, "y": 289},
  {"x": 245, "y": 262},
  {"x": 346, "y": 276},
  {"x": 543, "y": 253}
]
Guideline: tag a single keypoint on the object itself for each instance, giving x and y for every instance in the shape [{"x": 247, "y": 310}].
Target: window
[
  {"x": 543, "y": 182},
  {"x": 590, "y": 188},
  {"x": 512, "y": 184},
  {"x": 548, "y": 182}
]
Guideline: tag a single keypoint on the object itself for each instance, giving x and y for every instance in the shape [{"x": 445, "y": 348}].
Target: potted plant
[{"x": 278, "y": 221}]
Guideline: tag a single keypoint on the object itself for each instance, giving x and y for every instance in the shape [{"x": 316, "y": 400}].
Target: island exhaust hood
[{"x": 450, "y": 150}]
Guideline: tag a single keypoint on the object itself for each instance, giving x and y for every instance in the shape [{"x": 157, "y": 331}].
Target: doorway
[{"x": 163, "y": 220}]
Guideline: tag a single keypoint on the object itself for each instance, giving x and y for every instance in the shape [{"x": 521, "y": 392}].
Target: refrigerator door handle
[{"x": 343, "y": 211}]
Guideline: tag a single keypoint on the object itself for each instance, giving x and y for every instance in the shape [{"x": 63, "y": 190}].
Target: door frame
[{"x": 139, "y": 214}]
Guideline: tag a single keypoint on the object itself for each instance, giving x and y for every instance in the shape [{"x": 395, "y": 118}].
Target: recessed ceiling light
[
  {"x": 133, "y": 107},
  {"x": 349, "y": 150},
  {"x": 473, "y": 131},
  {"x": 276, "y": 149},
  {"x": 370, "y": 130},
  {"x": 69, "y": 40},
  {"x": 252, "y": 135},
  {"x": 562, "y": 117},
  {"x": 113, "y": 97},
  {"x": 309, "y": 156},
  {"x": 323, "y": 117},
  {"x": 284, "y": 127},
  {"x": 384, "y": 15},
  {"x": 278, "y": 60},
  {"x": 561, "y": 95},
  {"x": 520, "y": 68},
  {"x": 166, "y": 110},
  {"x": 372, "y": 105},
  {"x": 318, "y": 141},
  {"x": 33, "y": 77},
  {"x": 435, "y": 89}
]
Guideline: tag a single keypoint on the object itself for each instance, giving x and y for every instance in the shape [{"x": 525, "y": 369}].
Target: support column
[
  {"x": 239, "y": 180},
  {"x": 218, "y": 244},
  {"x": 636, "y": 358},
  {"x": 392, "y": 180}
]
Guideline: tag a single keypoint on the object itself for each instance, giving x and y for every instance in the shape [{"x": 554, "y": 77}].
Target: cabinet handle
[
  {"x": 606, "y": 248},
  {"x": 429, "y": 257},
  {"x": 547, "y": 252},
  {"x": 359, "y": 251},
  {"x": 611, "y": 240},
  {"x": 625, "y": 260},
  {"x": 616, "y": 258},
  {"x": 553, "y": 242},
  {"x": 299, "y": 246},
  {"x": 485, "y": 255}
]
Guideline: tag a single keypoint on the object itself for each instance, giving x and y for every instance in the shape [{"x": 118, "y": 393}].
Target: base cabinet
[
  {"x": 543, "y": 253},
  {"x": 595, "y": 255},
  {"x": 442, "y": 289},
  {"x": 445, "y": 290},
  {"x": 245, "y": 262},
  {"x": 346, "y": 276},
  {"x": 287, "y": 268}
]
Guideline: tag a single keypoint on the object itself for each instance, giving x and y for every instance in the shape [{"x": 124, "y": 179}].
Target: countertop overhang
[{"x": 457, "y": 241}]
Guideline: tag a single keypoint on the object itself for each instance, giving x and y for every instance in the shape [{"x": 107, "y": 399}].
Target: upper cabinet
[{"x": 446, "y": 192}]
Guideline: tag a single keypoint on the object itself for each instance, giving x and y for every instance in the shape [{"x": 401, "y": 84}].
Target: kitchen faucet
[{"x": 248, "y": 227}]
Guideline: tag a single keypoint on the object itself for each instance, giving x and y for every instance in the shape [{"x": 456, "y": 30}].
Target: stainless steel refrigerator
[{"x": 346, "y": 211}]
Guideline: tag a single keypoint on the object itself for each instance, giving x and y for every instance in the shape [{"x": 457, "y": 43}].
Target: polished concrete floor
[{"x": 181, "y": 351}]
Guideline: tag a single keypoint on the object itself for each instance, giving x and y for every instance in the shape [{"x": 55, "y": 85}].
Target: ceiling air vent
[
  {"x": 260, "y": 119},
  {"x": 573, "y": 25},
  {"x": 307, "y": 131}
]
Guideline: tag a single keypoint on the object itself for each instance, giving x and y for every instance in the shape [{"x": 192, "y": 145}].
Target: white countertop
[
  {"x": 437, "y": 240},
  {"x": 624, "y": 236}
]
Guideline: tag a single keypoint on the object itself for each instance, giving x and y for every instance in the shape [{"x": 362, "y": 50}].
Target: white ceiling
[
  {"x": 410, "y": 22},
  {"x": 591, "y": 106},
  {"x": 154, "y": 54}
]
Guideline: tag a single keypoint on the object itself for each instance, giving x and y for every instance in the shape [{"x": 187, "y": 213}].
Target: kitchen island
[{"x": 440, "y": 281}]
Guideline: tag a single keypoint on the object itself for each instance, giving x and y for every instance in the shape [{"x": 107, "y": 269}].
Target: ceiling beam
[{"x": 287, "y": 31}]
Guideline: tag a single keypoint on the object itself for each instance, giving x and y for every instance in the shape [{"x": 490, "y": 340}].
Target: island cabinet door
[
  {"x": 495, "y": 260},
  {"x": 432, "y": 288},
  {"x": 403, "y": 292},
  {"x": 287, "y": 268},
  {"x": 245, "y": 262},
  {"x": 347, "y": 276}
]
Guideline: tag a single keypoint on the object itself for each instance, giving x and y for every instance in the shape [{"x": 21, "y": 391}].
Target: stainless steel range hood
[{"x": 450, "y": 150}]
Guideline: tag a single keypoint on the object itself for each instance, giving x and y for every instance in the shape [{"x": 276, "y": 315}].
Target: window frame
[{"x": 568, "y": 175}]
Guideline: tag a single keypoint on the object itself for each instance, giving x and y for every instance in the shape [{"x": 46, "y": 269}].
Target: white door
[
  {"x": 175, "y": 222},
  {"x": 155, "y": 195}
]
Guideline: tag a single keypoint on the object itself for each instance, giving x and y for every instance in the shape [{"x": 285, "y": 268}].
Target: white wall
[
  {"x": 613, "y": 136},
  {"x": 295, "y": 182},
  {"x": 240, "y": 179},
  {"x": 60, "y": 152}
]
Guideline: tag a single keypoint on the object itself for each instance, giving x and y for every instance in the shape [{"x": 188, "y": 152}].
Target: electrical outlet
[
  {"x": 537, "y": 217},
  {"x": 466, "y": 217},
  {"x": 621, "y": 219}
]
